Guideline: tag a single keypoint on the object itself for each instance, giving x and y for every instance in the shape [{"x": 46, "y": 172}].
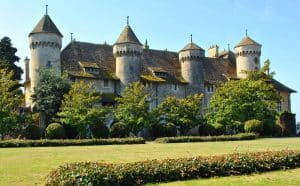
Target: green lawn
[{"x": 28, "y": 166}]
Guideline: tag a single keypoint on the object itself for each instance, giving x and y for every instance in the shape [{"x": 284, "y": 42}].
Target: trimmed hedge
[
  {"x": 55, "y": 131},
  {"x": 253, "y": 125},
  {"x": 70, "y": 142},
  {"x": 184, "y": 139},
  {"x": 138, "y": 173}
]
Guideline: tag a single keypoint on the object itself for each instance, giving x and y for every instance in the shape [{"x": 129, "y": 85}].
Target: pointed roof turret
[
  {"x": 46, "y": 25},
  {"x": 128, "y": 36},
  {"x": 191, "y": 46},
  {"x": 247, "y": 41}
]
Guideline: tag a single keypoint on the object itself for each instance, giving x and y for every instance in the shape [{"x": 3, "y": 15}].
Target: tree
[
  {"x": 133, "y": 107},
  {"x": 78, "y": 107},
  {"x": 185, "y": 112},
  {"x": 48, "y": 95},
  {"x": 10, "y": 102},
  {"x": 245, "y": 99},
  {"x": 8, "y": 58}
]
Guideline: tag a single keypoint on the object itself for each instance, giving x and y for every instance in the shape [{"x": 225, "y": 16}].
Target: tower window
[
  {"x": 209, "y": 88},
  {"x": 49, "y": 64},
  {"x": 174, "y": 86},
  {"x": 256, "y": 60}
]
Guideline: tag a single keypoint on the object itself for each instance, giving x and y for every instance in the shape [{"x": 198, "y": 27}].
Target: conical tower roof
[
  {"x": 128, "y": 36},
  {"x": 46, "y": 25},
  {"x": 191, "y": 46},
  {"x": 247, "y": 41}
]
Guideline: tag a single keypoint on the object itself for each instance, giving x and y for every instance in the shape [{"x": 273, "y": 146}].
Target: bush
[
  {"x": 277, "y": 130},
  {"x": 254, "y": 126},
  {"x": 71, "y": 131},
  {"x": 32, "y": 132},
  {"x": 268, "y": 127},
  {"x": 184, "y": 139},
  {"x": 100, "y": 131},
  {"x": 119, "y": 130},
  {"x": 288, "y": 123},
  {"x": 150, "y": 171},
  {"x": 156, "y": 130},
  {"x": 217, "y": 129},
  {"x": 70, "y": 142},
  {"x": 170, "y": 130},
  {"x": 55, "y": 131},
  {"x": 205, "y": 129}
]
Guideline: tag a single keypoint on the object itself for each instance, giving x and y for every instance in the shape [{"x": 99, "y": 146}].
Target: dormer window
[
  {"x": 89, "y": 67},
  {"x": 160, "y": 74}
]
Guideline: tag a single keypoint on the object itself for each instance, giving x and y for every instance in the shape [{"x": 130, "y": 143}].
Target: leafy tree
[
  {"x": 8, "y": 58},
  {"x": 133, "y": 107},
  {"x": 245, "y": 99},
  {"x": 48, "y": 95},
  {"x": 78, "y": 107},
  {"x": 10, "y": 102},
  {"x": 185, "y": 112}
]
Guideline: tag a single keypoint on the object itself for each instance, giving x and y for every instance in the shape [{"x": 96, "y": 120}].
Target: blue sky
[{"x": 168, "y": 24}]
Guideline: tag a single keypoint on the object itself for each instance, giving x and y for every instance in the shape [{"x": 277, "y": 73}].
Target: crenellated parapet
[{"x": 36, "y": 44}]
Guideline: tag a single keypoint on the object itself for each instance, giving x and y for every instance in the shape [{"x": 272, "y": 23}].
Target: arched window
[{"x": 256, "y": 60}]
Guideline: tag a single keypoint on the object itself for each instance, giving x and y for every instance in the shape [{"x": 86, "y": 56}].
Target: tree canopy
[
  {"x": 133, "y": 107},
  {"x": 10, "y": 102},
  {"x": 8, "y": 58}
]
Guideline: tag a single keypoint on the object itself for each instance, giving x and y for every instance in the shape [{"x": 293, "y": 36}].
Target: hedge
[
  {"x": 184, "y": 139},
  {"x": 70, "y": 142},
  {"x": 138, "y": 173}
]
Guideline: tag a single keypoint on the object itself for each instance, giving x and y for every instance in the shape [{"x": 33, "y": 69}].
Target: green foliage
[
  {"x": 184, "y": 139},
  {"x": 133, "y": 108},
  {"x": 10, "y": 102},
  {"x": 254, "y": 126},
  {"x": 49, "y": 92},
  {"x": 78, "y": 107},
  {"x": 277, "y": 130},
  {"x": 119, "y": 130},
  {"x": 8, "y": 59},
  {"x": 167, "y": 130},
  {"x": 185, "y": 113},
  {"x": 150, "y": 171},
  {"x": 170, "y": 130},
  {"x": 99, "y": 131},
  {"x": 32, "y": 132},
  {"x": 242, "y": 100},
  {"x": 288, "y": 123},
  {"x": 71, "y": 131},
  {"x": 55, "y": 131},
  {"x": 268, "y": 127},
  {"x": 217, "y": 129},
  {"x": 70, "y": 142}
]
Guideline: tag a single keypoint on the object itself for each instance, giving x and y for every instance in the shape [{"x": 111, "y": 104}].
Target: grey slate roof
[
  {"x": 128, "y": 36},
  {"x": 191, "y": 46},
  {"x": 46, "y": 25},
  {"x": 247, "y": 41},
  {"x": 216, "y": 70},
  {"x": 282, "y": 87}
]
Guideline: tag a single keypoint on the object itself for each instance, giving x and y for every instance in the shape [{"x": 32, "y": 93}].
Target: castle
[{"x": 165, "y": 73}]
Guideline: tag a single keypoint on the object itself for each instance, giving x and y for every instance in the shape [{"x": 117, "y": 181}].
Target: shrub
[
  {"x": 205, "y": 129},
  {"x": 217, "y": 129},
  {"x": 184, "y": 139},
  {"x": 70, "y": 142},
  {"x": 55, "y": 131},
  {"x": 288, "y": 123},
  {"x": 254, "y": 126},
  {"x": 71, "y": 131},
  {"x": 268, "y": 127},
  {"x": 32, "y": 132},
  {"x": 156, "y": 130},
  {"x": 170, "y": 130},
  {"x": 150, "y": 171},
  {"x": 277, "y": 130},
  {"x": 100, "y": 131},
  {"x": 119, "y": 130}
]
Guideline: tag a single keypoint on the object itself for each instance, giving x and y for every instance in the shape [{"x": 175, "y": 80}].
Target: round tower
[
  {"x": 45, "y": 42},
  {"x": 127, "y": 51},
  {"x": 191, "y": 60},
  {"x": 247, "y": 53}
]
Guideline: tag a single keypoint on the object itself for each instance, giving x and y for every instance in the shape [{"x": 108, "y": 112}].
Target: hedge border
[
  {"x": 184, "y": 139},
  {"x": 70, "y": 142},
  {"x": 152, "y": 171}
]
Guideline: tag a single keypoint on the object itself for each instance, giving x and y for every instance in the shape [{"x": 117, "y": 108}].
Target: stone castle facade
[{"x": 165, "y": 73}]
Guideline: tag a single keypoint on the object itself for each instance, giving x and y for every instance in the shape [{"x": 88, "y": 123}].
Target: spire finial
[
  {"x": 71, "y": 36},
  {"x": 191, "y": 38},
  {"x": 127, "y": 20},
  {"x": 46, "y": 9},
  {"x": 246, "y": 32},
  {"x": 228, "y": 45}
]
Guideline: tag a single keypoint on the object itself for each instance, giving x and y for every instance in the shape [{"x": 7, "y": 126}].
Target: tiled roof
[
  {"x": 281, "y": 87},
  {"x": 191, "y": 46},
  {"x": 216, "y": 70},
  {"x": 247, "y": 41},
  {"x": 128, "y": 36},
  {"x": 46, "y": 25}
]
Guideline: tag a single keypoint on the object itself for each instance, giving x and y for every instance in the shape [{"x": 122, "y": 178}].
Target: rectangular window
[
  {"x": 279, "y": 106},
  {"x": 209, "y": 88},
  {"x": 106, "y": 83},
  {"x": 174, "y": 86}
]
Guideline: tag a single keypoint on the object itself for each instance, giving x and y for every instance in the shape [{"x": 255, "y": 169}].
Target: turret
[
  {"x": 213, "y": 51},
  {"x": 127, "y": 51},
  {"x": 45, "y": 42},
  {"x": 191, "y": 60},
  {"x": 247, "y": 53}
]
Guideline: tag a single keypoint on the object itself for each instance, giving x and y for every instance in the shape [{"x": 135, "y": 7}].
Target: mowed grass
[{"x": 29, "y": 166}]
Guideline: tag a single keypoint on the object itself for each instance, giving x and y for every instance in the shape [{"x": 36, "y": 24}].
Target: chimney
[
  {"x": 213, "y": 51},
  {"x": 26, "y": 61}
]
